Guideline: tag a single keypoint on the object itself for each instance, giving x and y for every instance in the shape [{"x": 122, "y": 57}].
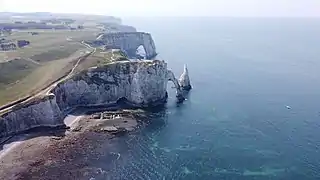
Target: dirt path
[{"x": 47, "y": 91}]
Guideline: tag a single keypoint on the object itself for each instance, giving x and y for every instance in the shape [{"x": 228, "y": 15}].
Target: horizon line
[{"x": 161, "y": 16}]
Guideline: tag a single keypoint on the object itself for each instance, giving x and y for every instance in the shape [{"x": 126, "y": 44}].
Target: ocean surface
[{"x": 253, "y": 112}]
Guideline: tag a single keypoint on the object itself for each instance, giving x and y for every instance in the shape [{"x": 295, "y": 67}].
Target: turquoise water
[{"x": 254, "y": 112}]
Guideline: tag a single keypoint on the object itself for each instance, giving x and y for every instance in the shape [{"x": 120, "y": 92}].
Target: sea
[{"x": 253, "y": 112}]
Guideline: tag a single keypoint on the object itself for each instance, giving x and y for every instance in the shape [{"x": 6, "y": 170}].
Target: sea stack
[{"x": 184, "y": 80}]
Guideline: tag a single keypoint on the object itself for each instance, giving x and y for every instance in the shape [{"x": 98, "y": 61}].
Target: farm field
[{"x": 50, "y": 56}]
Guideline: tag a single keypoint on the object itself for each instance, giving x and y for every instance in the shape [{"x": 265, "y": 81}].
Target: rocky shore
[{"x": 45, "y": 155}]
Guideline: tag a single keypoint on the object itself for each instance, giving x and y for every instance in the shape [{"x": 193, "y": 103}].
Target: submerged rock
[{"x": 184, "y": 79}]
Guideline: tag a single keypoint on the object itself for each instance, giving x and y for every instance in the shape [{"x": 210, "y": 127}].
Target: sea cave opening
[{"x": 141, "y": 52}]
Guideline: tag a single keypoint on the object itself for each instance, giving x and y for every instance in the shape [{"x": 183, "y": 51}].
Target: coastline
[
  {"x": 82, "y": 117},
  {"x": 105, "y": 86}
]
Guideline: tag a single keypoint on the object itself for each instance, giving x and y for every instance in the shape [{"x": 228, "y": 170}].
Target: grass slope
[
  {"x": 14, "y": 70},
  {"x": 50, "y": 56}
]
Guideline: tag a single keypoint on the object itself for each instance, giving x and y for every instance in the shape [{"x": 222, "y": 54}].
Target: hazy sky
[{"x": 170, "y": 7}]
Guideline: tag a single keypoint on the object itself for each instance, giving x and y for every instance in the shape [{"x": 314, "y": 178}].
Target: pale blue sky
[{"x": 253, "y": 8}]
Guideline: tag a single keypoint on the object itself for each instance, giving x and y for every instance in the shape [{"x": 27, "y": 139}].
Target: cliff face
[
  {"x": 41, "y": 112},
  {"x": 142, "y": 83}
]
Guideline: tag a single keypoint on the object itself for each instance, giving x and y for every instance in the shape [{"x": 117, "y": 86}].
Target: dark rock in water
[{"x": 180, "y": 98}]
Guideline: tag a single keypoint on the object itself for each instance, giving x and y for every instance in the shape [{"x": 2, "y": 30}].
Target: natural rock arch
[
  {"x": 141, "y": 52},
  {"x": 172, "y": 78},
  {"x": 128, "y": 42}
]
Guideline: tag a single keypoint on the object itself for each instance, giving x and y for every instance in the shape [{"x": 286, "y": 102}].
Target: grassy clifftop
[
  {"x": 50, "y": 56},
  {"x": 100, "y": 58},
  {"x": 15, "y": 69}
]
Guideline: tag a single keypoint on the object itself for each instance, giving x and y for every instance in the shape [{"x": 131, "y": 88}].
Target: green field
[
  {"x": 48, "y": 43},
  {"x": 50, "y": 55},
  {"x": 100, "y": 58}
]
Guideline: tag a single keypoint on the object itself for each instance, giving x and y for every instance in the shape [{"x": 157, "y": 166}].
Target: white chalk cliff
[
  {"x": 140, "y": 83},
  {"x": 37, "y": 113}
]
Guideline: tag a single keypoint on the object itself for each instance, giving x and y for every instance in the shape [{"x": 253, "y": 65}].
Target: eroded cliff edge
[{"x": 140, "y": 83}]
